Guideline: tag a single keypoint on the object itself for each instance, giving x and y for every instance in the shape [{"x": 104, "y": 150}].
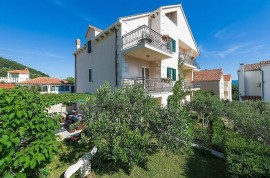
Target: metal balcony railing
[
  {"x": 146, "y": 35},
  {"x": 184, "y": 58},
  {"x": 151, "y": 85},
  {"x": 9, "y": 80}
]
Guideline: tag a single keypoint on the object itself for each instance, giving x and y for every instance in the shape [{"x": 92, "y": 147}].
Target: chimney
[{"x": 78, "y": 43}]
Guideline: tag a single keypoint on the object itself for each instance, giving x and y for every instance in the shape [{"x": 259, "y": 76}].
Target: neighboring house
[
  {"x": 227, "y": 87},
  {"x": 6, "y": 85},
  {"x": 254, "y": 81},
  {"x": 150, "y": 48},
  {"x": 48, "y": 85},
  {"x": 214, "y": 80},
  {"x": 15, "y": 76}
]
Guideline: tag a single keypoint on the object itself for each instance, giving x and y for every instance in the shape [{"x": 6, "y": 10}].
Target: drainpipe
[
  {"x": 115, "y": 57},
  {"x": 262, "y": 83},
  {"x": 75, "y": 87}
]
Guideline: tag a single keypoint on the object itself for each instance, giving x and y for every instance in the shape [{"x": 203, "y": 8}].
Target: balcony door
[{"x": 145, "y": 73}]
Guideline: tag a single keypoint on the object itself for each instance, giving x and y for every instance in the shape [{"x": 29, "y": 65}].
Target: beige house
[
  {"x": 214, "y": 80},
  {"x": 15, "y": 76},
  {"x": 254, "y": 81},
  {"x": 150, "y": 48},
  {"x": 48, "y": 85}
]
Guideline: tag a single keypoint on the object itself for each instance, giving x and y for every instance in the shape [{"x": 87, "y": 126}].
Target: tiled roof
[
  {"x": 207, "y": 75},
  {"x": 256, "y": 66},
  {"x": 227, "y": 77},
  {"x": 25, "y": 71},
  {"x": 45, "y": 80},
  {"x": 6, "y": 85}
]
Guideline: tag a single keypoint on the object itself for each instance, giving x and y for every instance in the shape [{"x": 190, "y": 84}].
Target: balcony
[
  {"x": 151, "y": 85},
  {"x": 9, "y": 80},
  {"x": 147, "y": 44},
  {"x": 189, "y": 62}
]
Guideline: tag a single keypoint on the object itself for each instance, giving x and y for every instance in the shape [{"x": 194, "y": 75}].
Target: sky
[{"x": 41, "y": 33}]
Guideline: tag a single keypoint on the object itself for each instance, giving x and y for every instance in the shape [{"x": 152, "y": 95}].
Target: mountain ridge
[{"x": 8, "y": 64}]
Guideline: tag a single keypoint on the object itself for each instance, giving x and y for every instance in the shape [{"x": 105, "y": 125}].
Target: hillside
[{"x": 7, "y": 65}]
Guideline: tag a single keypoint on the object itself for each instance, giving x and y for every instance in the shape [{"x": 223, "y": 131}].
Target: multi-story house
[
  {"x": 150, "y": 48},
  {"x": 254, "y": 81},
  {"x": 15, "y": 76},
  {"x": 214, "y": 80}
]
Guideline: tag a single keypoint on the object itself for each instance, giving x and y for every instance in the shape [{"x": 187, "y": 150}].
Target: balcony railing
[
  {"x": 146, "y": 35},
  {"x": 184, "y": 58},
  {"x": 9, "y": 80},
  {"x": 151, "y": 85}
]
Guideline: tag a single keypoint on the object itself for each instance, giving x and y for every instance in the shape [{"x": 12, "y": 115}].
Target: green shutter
[
  {"x": 168, "y": 72},
  {"x": 174, "y": 45},
  {"x": 90, "y": 75},
  {"x": 174, "y": 74}
]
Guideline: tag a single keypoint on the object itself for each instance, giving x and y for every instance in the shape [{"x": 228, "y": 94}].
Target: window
[
  {"x": 55, "y": 88},
  {"x": 171, "y": 73},
  {"x": 90, "y": 75},
  {"x": 89, "y": 46}
]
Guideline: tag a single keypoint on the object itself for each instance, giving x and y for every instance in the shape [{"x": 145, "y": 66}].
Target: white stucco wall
[
  {"x": 131, "y": 24},
  {"x": 102, "y": 63},
  {"x": 252, "y": 83},
  {"x": 266, "y": 83}
]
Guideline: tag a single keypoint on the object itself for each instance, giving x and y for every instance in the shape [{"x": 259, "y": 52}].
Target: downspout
[
  {"x": 115, "y": 57},
  {"x": 262, "y": 83},
  {"x": 75, "y": 87}
]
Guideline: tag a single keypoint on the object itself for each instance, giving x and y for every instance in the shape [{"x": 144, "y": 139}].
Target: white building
[
  {"x": 48, "y": 85},
  {"x": 214, "y": 80},
  {"x": 254, "y": 81},
  {"x": 15, "y": 76},
  {"x": 145, "y": 48}
]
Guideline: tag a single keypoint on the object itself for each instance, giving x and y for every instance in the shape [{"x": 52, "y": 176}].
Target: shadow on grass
[{"x": 202, "y": 164}]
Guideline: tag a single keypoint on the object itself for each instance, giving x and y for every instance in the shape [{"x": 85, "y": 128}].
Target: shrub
[
  {"x": 219, "y": 134},
  {"x": 118, "y": 124},
  {"x": 246, "y": 157},
  {"x": 127, "y": 125},
  {"x": 27, "y": 139}
]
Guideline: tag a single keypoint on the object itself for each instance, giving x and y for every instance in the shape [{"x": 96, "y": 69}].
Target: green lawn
[{"x": 193, "y": 165}]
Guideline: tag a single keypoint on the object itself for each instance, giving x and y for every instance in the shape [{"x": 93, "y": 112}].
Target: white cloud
[{"x": 221, "y": 33}]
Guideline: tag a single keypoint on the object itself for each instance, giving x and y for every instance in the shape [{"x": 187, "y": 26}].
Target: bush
[
  {"x": 246, "y": 157},
  {"x": 127, "y": 125},
  {"x": 251, "y": 118},
  {"x": 118, "y": 125},
  {"x": 219, "y": 134},
  {"x": 27, "y": 138}
]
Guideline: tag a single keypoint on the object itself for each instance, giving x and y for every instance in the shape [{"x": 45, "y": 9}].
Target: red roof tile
[
  {"x": 227, "y": 77},
  {"x": 25, "y": 71},
  {"x": 6, "y": 85},
  {"x": 207, "y": 75},
  {"x": 256, "y": 66},
  {"x": 45, "y": 80}
]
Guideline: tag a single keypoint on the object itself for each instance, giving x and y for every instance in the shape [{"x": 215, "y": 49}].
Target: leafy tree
[
  {"x": 118, "y": 124},
  {"x": 27, "y": 138},
  {"x": 251, "y": 118},
  {"x": 235, "y": 92},
  {"x": 127, "y": 125},
  {"x": 207, "y": 106},
  {"x": 70, "y": 79}
]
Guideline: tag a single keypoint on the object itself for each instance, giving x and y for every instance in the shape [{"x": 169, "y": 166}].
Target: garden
[{"x": 135, "y": 137}]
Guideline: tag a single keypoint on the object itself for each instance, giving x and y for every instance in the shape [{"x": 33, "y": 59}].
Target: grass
[{"x": 192, "y": 165}]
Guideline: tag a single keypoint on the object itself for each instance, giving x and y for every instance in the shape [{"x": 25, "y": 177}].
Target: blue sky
[{"x": 41, "y": 33}]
